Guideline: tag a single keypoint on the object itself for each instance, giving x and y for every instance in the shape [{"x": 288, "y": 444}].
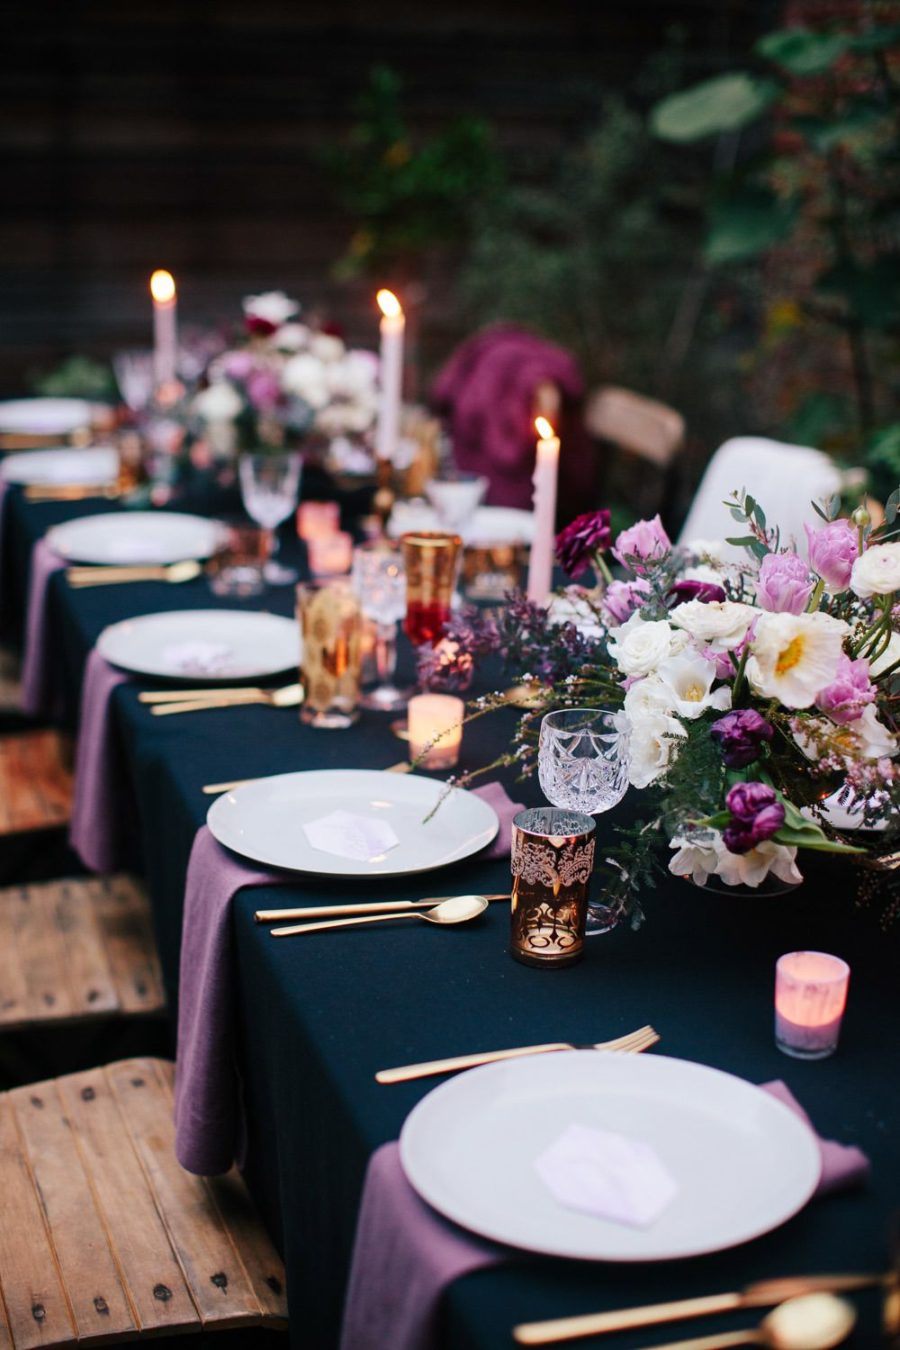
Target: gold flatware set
[
  {"x": 163, "y": 703},
  {"x": 74, "y": 492},
  {"x": 174, "y": 573}
]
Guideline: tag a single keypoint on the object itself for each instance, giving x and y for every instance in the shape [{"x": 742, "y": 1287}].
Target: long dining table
[{"x": 317, "y": 1016}]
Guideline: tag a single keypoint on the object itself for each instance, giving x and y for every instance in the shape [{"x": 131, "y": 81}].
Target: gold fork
[
  {"x": 80, "y": 577},
  {"x": 290, "y": 696},
  {"x": 633, "y": 1043}
]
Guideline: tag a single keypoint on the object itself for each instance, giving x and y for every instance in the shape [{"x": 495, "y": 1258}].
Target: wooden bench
[
  {"x": 104, "y": 1236},
  {"x": 10, "y": 683},
  {"x": 35, "y": 781},
  {"x": 76, "y": 949}
]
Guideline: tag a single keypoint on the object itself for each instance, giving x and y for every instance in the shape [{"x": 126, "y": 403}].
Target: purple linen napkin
[
  {"x": 208, "y": 1121},
  {"x": 3, "y": 489},
  {"x": 99, "y": 797},
  {"x": 405, "y": 1255},
  {"x": 41, "y": 688}
]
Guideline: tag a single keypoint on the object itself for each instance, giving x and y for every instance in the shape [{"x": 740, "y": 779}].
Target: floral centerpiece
[
  {"x": 758, "y": 696},
  {"x": 286, "y": 381}
]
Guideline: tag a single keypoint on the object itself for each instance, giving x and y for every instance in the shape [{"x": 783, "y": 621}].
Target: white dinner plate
[
  {"x": 264, "y": 821},
  {"x": 96, "y": 466},
  {"x": 44, "y": 416},
  {"x": 743, "y": 1163},
  {"x": 126, "y": 537},
  {"x": 200, "y": 645},
  {"x": 489, "y": 524}
]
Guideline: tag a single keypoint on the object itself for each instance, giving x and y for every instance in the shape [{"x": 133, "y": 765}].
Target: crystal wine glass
[
  {"x": 583, "y": 766},
  {"x": 380, "y": 584},
  {"x": 270, "y": 486}
]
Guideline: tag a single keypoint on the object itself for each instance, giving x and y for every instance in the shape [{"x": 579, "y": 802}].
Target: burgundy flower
[
  {"x": 756, "y": 814},
  {"x": 704, "y": 591},
  {"x": 741, "y": 735},
  {"x": 257, "y": 326},
  {"x": 579, "y": 541}
]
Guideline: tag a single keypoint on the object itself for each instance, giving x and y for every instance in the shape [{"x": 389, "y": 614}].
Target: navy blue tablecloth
[{"x": 318, "y": 1016}]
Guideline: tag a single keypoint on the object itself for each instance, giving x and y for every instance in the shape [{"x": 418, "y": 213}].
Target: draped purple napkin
[
  {"x": 98, "y": 800},
  {"x": 405, "y": 1255},
  {"x": 42, "y": 694},
  {"x": 3, "y": 490},
  {"x": 209, "y": 1130}
]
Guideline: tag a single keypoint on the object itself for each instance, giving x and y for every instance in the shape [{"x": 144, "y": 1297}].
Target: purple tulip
[
  {"x": 621, "y": 599},
  {"x": 704, "y": 591},
  {"x": 833, "y": 549},
  {"x": 577, "y": 544},
  {"x": 784, "y": 584},
  {"x": 756, "y": 814},
  {"x": 845, "y": 699},
  {"x": 741, "y": 735},
  {"x": 642, "y": 545}
]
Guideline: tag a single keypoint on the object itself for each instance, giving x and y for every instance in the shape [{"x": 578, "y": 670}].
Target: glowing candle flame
[
  {"x": 162, "y": 287},
  {"x": 544, "y": 429},
  {"x": 389, "y": 304}
]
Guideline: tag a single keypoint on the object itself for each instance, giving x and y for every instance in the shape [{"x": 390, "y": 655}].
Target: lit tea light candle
[
  {"x": 165, "y": 330},
  {"x": 393, "y": 324},
  {"x": 316, "y": 520},
  {"x": 540, "y": 567},
  {"x": 330, "y": 555},
  {"x": 435, "y": 729},
  {"x": 810, "y": 996}
]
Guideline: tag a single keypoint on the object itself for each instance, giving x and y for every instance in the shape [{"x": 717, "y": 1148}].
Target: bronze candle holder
[
  {"x": 552, "y": 862},
  {"x": 430, "y": 561},
  {"x": 331, "y": 665}
]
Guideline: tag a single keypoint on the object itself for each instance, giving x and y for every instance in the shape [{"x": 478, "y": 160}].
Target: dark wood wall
[{"x": 138, "y": 134}]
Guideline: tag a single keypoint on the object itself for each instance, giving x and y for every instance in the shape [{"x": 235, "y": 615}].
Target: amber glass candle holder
[
  {"x": 431, "y": 562},
  {"x": 552, "y": 862},
  {"x": 331, "y": 630}
]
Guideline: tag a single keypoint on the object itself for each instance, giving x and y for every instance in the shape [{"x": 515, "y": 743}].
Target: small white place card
[
  {"x": 351, "y": 836},
  {"x": 200, "y": 658},
  {"x": 606, "y": 1174}
]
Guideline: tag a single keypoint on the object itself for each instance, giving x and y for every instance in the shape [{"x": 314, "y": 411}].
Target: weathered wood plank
[
  {"x": 33, "y": 1292},
  {"x": 78, "y": 938},
  {"x": 40, "y": 963},
  {"x": 217, "y": 1280},
  {"x": 125, "y": 923},
  {"x": 10, "y": 683},
  {"x": 13, "y": 991},
  {"x": 156, "y": 1287},
  {"x": 35, "y": 781},
  {"x": 97, "y": 1299}
]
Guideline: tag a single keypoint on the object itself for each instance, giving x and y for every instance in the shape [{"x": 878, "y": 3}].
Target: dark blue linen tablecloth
[{"x": 318, "y": 1016}]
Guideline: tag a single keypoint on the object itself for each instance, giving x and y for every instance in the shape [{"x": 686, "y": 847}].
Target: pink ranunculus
[
  {"x": 621, "y": 599},
  {"x": 845, "y": 699},
  {"x": 784, "y": 584},
  {"x": 237, "y": 365},
  {"x": 642, "y": 545},
  {"x": 263, "y": 390},
  {"x": 833, "y": 549}
]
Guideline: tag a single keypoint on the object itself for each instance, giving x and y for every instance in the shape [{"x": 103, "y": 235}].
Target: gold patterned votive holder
[
  {"x": 430, "y": 561},
  {"x": 552, "y": 862},
  {"x": 331, "y": 662}
]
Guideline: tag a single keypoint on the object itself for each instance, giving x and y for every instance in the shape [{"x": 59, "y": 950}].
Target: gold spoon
[
  {"x": 808, "y": 1322},
  {"x": 456, "y": 909},
  {"x": 365, "y": 907},
  {"x": 291, "y": 696},
  {"x": 79, "y": 577}
]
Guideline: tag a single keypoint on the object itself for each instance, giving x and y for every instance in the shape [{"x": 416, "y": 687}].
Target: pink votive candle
[
  {"x": 315, "y": 520},
  {"x": 331, "y": 555},
  {"x": 810, "y": 995},
  {"x": 435, "y": 729}
]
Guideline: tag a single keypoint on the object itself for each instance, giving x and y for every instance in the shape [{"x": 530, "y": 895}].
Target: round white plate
[
  {"x": 97, "y": 466},
  {"x": 45, "y": 416},
  {"x": 489, "y": 524},
  {"x": 742, "y": 1161},
  {"x": 264, "y": 821},
  {"x": 126, "y": 537},
  {"x": 196, "y": 646}
]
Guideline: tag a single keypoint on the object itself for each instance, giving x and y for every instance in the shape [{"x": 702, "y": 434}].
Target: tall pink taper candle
[
  {"x": 392, "y": 326},
  {"x": 540, "y": 567},
  {"x": 165, "y": 337}
]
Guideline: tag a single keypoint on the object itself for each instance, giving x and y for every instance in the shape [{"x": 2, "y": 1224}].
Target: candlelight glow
[
  {"x": 389, "y": 304},
  {"x": 162, "y": 287},
  {"x": 544, "y": 429}
]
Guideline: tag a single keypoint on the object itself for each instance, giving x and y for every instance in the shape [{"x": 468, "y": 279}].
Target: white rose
[
  {"x": 651, "y": 746},
  {"x": 272, "y": 307},
  {"x": 889, "y": 657},
  {"x": 721, "y": 624},
  {"x": 303, "y": 378},
  {"x": 326, "y": 347},
  {"x": 638, "y": 647},
  {"x": 794, "y": 656},
  {"x": 291, "y": 337},
  {"x": 220, "y": 402},
  {"x": 877, "y": 571},
  {"x": 689, "y": 678},
  {"x": 647, "y": 698}
]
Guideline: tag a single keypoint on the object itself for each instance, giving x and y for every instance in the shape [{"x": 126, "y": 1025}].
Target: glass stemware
[
  {"x": 583, "y": 766},
  {"x": 270, "y": 486},
  {"x": 379, "y": 580}
]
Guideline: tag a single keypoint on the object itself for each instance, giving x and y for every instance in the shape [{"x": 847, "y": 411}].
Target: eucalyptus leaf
[
  {"x": 744, "y": 541},
  {"x": 724, "y": 103},
  {"x": 800, "y": 51},
  {"x": 745, "y": 224}
]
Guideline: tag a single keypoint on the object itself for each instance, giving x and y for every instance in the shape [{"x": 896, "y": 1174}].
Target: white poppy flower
[
  {"x": 651, "y": 746},
  {"x": 707, "y": 856},
  {"x": 689, "y": 677},
  {"x": 720, "y": 624},
  {"x": 794, "y": 656},
  {"x": 877, "y": 571},
  {"x": 638, "y": 646}
]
